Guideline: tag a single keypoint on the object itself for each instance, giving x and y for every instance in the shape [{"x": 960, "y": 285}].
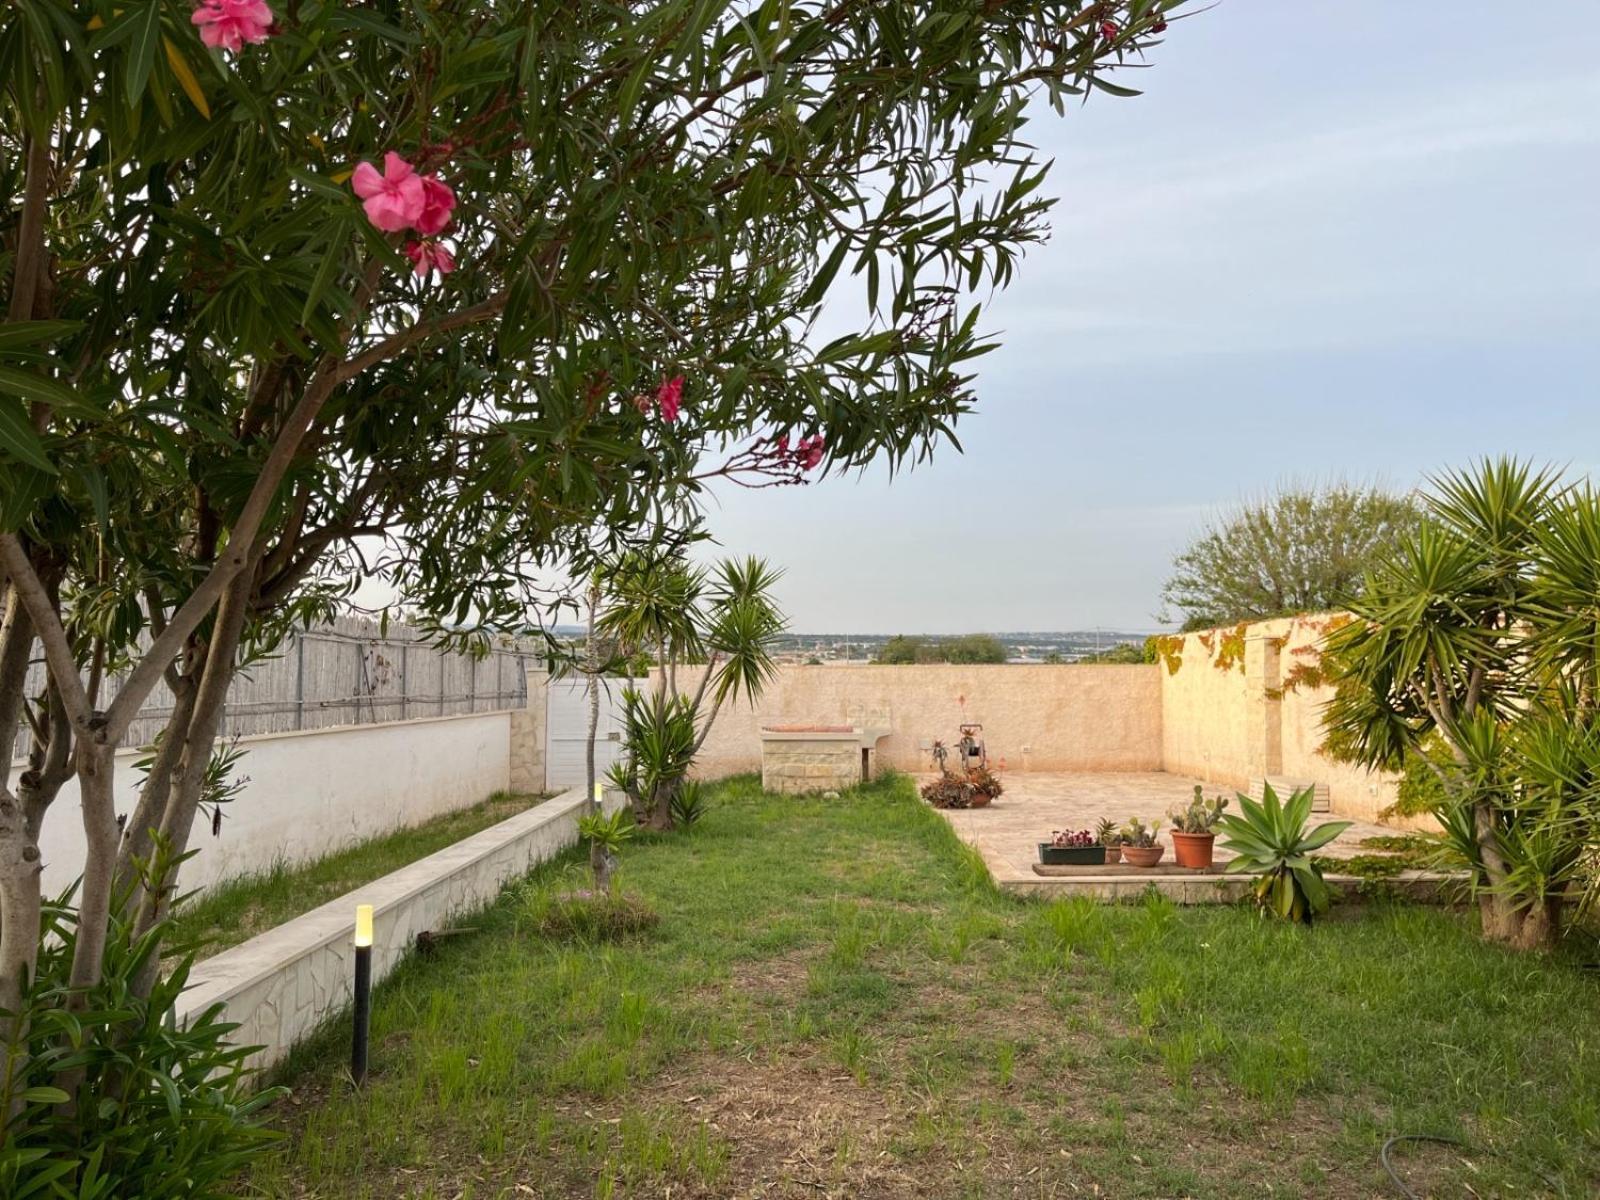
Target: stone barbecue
[{"x": 796, "y": 759}]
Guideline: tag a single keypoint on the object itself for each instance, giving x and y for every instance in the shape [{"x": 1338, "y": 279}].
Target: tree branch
[
  {"x": 28, "y": 264},
  {"x": 421, "y": 331},
  {"x": 48, "y": 629}
]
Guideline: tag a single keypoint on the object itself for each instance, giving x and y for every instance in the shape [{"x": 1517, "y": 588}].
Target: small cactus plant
[{"x": 1201, "y": 816}]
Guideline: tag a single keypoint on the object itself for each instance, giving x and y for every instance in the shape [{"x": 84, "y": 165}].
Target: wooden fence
[{"x": 347, "y": 673}]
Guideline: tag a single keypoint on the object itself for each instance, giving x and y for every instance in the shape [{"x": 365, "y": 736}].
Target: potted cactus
[
  {"x": 1068, "y": 848},
  {"x": 1139, "y": 845},
  {"x": 1108, "y": 836},
  {"x": 1194, "y": 830}
]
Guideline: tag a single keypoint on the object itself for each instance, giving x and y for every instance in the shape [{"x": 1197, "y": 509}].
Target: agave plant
[{"x": 1270, "y": 840}]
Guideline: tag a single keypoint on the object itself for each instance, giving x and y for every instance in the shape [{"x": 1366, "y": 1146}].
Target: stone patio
[{"x": 1007, "y": 834}]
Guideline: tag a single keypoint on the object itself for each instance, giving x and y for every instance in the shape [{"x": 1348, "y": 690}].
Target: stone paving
[{"x": 1007, "y": 833}]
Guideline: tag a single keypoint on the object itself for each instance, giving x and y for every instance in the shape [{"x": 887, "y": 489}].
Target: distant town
[{"x": 1036, "y": 647}]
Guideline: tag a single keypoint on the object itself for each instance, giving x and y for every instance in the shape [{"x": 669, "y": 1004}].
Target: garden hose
[{"x": 1383, "y": 1156}]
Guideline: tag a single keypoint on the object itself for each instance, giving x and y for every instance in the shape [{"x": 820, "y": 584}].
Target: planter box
[{"x": 1073, "y": 856}]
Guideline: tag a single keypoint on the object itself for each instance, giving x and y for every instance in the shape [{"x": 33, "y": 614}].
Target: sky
[{"x": 1332, "y": 239}]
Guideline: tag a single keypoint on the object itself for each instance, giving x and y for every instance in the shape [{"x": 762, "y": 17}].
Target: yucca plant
[
  {"x": 659, "y": 745},
  {"x": 688, "y": 804},
  {"x": 1476, "y": 654},
  {"x": 724, "y": 623},
  {"x": 1270, "y": 840},
  {"x": 604, "y": 834}
]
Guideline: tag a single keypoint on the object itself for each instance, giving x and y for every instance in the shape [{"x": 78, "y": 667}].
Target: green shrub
[
  {"x": 583, "y": 915},
  {"x": 160, "y": 1111},
  {"x": 689, "y": 804}
]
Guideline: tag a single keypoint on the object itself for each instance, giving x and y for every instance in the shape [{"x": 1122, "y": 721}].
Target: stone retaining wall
[{"x": 283, "y": 984}]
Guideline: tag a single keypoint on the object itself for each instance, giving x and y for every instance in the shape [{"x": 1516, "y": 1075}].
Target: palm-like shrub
[
  {"x": 1476, "y": 656},
  {"x": 659, "y": 742},
  {"x": 726, "y": 624},
  {"x": 604, "y": 834},
  {"x": 1270, "y": 840}
]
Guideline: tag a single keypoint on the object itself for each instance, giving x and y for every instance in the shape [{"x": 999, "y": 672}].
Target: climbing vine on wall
[
  {"x": 1230, "y": 649},
  {"x": 1168, "y": 650}
]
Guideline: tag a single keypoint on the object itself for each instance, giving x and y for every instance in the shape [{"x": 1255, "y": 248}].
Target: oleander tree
[
  {"x": 470, "y": 281},
  {"x": 1481, "y": 628}
]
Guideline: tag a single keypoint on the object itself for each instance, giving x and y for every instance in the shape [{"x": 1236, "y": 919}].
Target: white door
[{"x": 567, "y": 729}]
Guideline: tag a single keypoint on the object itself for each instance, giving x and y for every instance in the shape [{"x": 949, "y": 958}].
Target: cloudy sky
[{"x": 1348, "y": 238}]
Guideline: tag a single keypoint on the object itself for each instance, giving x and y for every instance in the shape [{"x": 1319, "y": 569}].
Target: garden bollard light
[{"x": 363, "y": 994}]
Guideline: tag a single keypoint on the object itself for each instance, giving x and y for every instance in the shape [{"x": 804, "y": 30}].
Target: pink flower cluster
[
  {"x": 229, "y": 24},
  {"x": 806, "y": 454},
  {"x": 399, "y": 198},
  {"x": 429, "y": 256},
  {"x": 669, "y": 398}
]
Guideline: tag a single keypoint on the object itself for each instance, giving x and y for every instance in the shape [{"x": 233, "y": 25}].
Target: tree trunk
[
  {"x": 16, "y": 647},
  {"x": 96, "y": 767},
  {"x": 138, "y": 838},
  {"x": 591, "y": 656},
  {"x": 655, "y": 812},
  {"x": 604, "y": 865},
  {"x": 19, "y": 941},
  {"x": 194, "y": 758}
]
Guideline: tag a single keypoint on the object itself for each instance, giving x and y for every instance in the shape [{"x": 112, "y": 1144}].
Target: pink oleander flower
[
  {"x": 669, "y": 398},
  {"x": 437, "y": 202},
  {"x": 229, "y": 24},
  {"x": 430, "y": 256},
  {"x": 394, "y": 199},
  {"x": 809, "y": 453}
]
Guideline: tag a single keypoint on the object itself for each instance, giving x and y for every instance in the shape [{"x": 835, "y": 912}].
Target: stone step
[{"x": 1284, "y": 787}]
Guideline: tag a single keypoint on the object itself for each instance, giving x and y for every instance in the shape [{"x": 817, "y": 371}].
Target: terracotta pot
[
  {"x": 1193, "y": 849},
  {"x": 979, "y": 800},
  {"x": 1114, "y": 853},
  {"x": 1142, "y": 856}
]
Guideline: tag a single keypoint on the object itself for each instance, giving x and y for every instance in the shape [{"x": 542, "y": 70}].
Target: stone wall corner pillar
[
  {"x": 528, "y": 736},
  {"x": 1264, "y": 681}
]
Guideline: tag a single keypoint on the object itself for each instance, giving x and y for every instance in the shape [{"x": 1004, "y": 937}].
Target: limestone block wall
[
  {"x": 283, "y": 984},
  {"x": 1236, "y": 706},
  {"x": 797, "y": 761},
  {"x": 1038, "y": 717}
]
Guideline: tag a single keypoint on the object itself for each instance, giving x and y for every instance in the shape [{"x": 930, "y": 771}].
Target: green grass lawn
[
  {"x": 250, "y": 904},
  {"x": 835, "y": 1004}
]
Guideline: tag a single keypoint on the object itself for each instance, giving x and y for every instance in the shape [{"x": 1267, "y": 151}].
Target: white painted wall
[{"x": 314, "y": 792}]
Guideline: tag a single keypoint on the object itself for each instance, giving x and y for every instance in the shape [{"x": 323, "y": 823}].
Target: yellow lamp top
[
  {"x": 363, "y": 924},
  {"x": 599, "y": 792}
]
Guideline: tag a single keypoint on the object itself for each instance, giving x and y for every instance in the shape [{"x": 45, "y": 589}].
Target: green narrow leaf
[
  {"x": 33, "y": 333},
  {"x": 18, "y": 438},
  {"x": 142, "y": 53},
  {"x": 32, "y": 386}
]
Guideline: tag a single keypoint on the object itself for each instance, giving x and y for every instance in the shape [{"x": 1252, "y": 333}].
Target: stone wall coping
[
  {"x": 214, "y": 979},
  {"x": 814, "y": 734}
]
